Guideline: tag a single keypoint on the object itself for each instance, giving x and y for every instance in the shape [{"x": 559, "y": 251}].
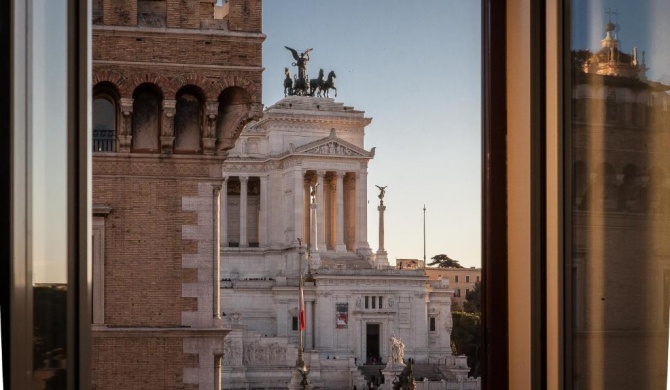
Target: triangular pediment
[{"x": 333, "y": 146}]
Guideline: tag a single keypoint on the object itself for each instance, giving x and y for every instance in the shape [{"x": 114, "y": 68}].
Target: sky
[{"x": 414, "y": 68}]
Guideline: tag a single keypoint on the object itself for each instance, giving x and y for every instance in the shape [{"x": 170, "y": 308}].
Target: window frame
[{"x": 17, "y": 304}]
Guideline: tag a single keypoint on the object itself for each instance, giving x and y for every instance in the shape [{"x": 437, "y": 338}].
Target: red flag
[{"x": 302, "y": 307}]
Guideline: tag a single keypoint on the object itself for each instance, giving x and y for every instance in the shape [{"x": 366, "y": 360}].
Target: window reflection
[
  {"x": 47, "y": 189},
  {"x": 620, "y": 253}
]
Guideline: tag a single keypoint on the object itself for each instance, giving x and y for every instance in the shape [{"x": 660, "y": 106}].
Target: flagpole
[
  {"x": 424, "y": 236},
  {"x": 300, "y": 362}
]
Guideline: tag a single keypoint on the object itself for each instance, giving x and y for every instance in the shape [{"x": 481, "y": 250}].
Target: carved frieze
[
  {"x": 333, "y": 148},
  {"x": 371, "y": 282},
  {"x": 232, "y": 352},
  {"x": 263, "y": 355},
  {"x": 243, "y": 167}
]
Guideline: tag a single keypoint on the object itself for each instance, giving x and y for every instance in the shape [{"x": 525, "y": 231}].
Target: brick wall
[
  {"x": 245, "y": 15},
  {"x": 144, "y": 247},
  {"x": 116, "y": 360},
  {"x": 158, "y": 331}
]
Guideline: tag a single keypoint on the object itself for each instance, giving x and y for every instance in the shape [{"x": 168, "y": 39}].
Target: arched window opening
[
  {"x": 188, "y": 121},
  {"x": 147, "y": 102},
  {"x": 233, "y": 107},
  {"x": 104, "y": 124}
]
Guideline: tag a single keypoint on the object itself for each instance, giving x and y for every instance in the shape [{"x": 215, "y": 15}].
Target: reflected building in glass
[{"x": 620, "y": 220}]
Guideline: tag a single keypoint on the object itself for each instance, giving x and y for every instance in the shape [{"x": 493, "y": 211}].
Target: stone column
[
  {"x": 216, "y": 254},
  {"x": 218, "y": 359},
  {"x": 209, "y": 132},
  {"x": 126, "y": 128},
  {"x": 307, "y": 231},
  {"x": 298, "y": 205},
  {"x": 263, "y": 222},
  {"x": 167, "y": 132},
  {"x": 320, "y": 218},
  {"x": 315, "y": 258},
  {"x": 362, "y": 245},
  {"x": 339, "y": 207},
  {"x": 224, "y": 212},
  {"x": 381, "y": 257},
  {"x": 243, "y": 211}
]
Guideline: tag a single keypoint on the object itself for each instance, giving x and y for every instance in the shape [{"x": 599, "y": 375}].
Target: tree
[
  {"x": 473, "y": 299},
  {"x": 466, "y": 339},
  {"x": 444, "y": 261}
]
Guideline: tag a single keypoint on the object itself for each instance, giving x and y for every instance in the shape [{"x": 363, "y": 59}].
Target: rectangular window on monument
[{"x": 617, "y": 194}]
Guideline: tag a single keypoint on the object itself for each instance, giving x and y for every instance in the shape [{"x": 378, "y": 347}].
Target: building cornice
[{"x": 183, "y": 33}]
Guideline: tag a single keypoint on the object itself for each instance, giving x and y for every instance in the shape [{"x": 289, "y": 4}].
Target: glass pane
[
  {"x": 47, "y": 162},
  {"x": 619, "y": 136}
]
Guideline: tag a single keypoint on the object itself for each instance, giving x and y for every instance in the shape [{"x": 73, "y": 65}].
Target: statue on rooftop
[{"x": 300, "y": 61}]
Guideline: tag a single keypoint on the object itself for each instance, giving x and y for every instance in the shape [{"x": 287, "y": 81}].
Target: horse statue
[
  {"x": 288, "y": 83},
  {"x": 316, "y": 84},
  {"x": 329, "y": 83},
  {"x": 300, "y": 86}
]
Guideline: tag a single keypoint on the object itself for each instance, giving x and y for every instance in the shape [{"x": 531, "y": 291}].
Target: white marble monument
[{"x": 301, "y": 173}]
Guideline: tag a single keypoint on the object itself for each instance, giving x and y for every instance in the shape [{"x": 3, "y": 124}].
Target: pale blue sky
[{"x": 414, "y": 67}]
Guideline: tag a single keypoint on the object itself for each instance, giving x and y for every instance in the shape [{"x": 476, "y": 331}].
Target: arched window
[
  {"x": 233, "y": 107},
  {"x": 147, "y": 101},
  {"x": 188, "y": 121},
  {"x": 105, "y": 117},
  {"x": 104, "y": 124}
]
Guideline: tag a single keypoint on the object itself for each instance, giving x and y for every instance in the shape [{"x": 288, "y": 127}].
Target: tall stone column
[
  {"x": 308, "y": 238},
  {"x": 216, "y": 254},
  {"x": 209, "y": 133},
  {"x": 381, "y": 257},
  {"x": 320, "y": 217},
  {"x": 339, "y": 208},
  {"x": 244, "y": 242},
  {"x": 362, "y": 245},
  {"x": 314, "y": 257},
  {"x": 224, "y": 212},
  {"x": 263, "y": 230},
  {"x": 126, "y": 128},
  {"x": 298, "y": 204},
  {"x": 167, "y": 132}
]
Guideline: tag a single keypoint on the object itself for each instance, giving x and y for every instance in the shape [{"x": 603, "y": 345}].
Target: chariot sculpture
[{"x": 301, "y": 84}]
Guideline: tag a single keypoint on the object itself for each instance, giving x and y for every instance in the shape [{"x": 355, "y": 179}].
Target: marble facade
[{"x": 354, "y": 302}]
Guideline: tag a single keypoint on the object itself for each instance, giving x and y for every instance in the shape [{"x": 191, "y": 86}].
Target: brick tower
[{"x": 174, "y": 83}]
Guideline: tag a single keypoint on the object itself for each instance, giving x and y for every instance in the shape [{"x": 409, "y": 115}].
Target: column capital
[
  {"x": 169, "y": 107},
  {"x": 224, "y": 178},
  {"x": 321, "y": 174},
  {"x": 126, "y": 106},
  {"x": 212, "y": 109},
  {"x": 339, "y": 174},
  {"x": 244, "y": 179}
]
